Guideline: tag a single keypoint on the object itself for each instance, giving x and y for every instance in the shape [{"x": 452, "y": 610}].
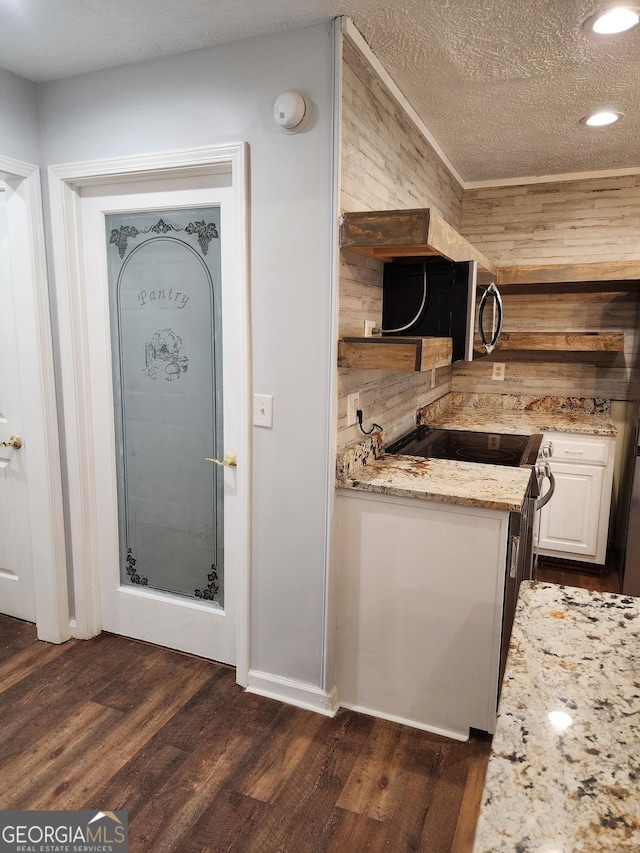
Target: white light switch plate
[{"x": 263, "y": 410}]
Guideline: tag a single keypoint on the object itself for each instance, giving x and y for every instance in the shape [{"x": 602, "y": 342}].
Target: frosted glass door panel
[{"x": 164, "y": 286}]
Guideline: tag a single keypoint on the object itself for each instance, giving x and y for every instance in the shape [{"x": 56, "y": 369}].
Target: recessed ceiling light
[
  {"x": 612, "y": 21},
  {"x": 602, "y": 118}
]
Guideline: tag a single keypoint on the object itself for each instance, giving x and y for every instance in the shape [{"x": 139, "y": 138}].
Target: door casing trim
[{"x": 65, "y": 183}]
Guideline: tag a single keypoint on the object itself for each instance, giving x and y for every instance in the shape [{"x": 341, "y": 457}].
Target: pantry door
[{"x": 166, "y": 373}]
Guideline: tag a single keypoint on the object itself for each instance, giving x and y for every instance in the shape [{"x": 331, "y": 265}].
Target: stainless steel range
[{"x": 517, "y": 451}]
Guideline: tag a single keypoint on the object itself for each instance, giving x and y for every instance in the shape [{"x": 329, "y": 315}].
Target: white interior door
[
  {"x": 16, "y": 569},
  {"x": 33, "y": 564},
  {"x": 162, "y": 310}
]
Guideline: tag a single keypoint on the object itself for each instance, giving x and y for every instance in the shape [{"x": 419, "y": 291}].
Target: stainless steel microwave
[{"x": 435, "y": 297}]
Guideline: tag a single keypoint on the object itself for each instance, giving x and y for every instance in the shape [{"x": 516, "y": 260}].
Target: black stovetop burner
[{"x": 464, "y": 446}]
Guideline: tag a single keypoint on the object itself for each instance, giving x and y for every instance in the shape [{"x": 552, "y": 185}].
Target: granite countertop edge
[
  {"x": 524, "y": 422},
  {"x": 514, "y": 413},
  {"x": 364, "y": 466},
  {"x": 440, "y": 481},
  {"x": 563, "y": 774},
  {"x": 432, "y": 497}
]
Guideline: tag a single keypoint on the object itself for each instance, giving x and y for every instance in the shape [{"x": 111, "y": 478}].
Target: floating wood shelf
[
  {"x": 562, "y": 341},
  {"x": 390, "y": 234},
  {"x": 394, "y": 353},
  {"x": 561, "y": 273}
]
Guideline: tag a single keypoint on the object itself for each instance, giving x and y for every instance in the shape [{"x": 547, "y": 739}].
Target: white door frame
[
  {"x": 65, "y": 183},
  {"x": 38, "y": 392}
]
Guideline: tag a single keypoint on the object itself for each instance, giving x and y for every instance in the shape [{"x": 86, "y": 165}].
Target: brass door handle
[
  {"x": 229, "y": 459},
  {"x": 15, "y": 441}
]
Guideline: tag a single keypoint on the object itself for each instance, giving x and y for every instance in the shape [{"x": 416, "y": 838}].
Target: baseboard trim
[
  {"x": 569, "y": 564},
  {"x": 304, "y": 695},
  {"x": 434, "y": 730},
  {"x": 293, "y": 692}
]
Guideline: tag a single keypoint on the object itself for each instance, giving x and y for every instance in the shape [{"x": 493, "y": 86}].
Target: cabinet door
[{"x": 569, "y": 522}]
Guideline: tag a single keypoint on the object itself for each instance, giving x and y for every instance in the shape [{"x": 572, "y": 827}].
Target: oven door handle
[{"x": 544, "y": 500}]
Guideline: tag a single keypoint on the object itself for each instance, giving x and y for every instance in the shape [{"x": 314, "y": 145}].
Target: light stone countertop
[
  {"x": 564, "y": 772},
  {"x": 364, "y": 466},
  {"x": 524, "y": 423},
  {"x": 442, "y": 481},
  {"x": 519, "y": 414}
]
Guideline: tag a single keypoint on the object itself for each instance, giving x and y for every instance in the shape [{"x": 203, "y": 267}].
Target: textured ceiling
[{"x": 501, "y": 84}]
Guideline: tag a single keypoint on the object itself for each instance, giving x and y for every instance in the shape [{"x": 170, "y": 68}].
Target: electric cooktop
[{"x": 465, "y": 446}]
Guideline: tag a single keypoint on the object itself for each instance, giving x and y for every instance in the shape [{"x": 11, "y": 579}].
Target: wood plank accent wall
[
  {"x": 386, "y": 165},
  {"x": 569, "y": 222},
  {"x": 391, "y": 399},
  {"x": 581, "y": 307}
]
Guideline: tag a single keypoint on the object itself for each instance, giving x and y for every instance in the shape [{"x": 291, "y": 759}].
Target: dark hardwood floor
[
  {"x": 573, "y": 573},
  {"x": 200, "y": 765}
]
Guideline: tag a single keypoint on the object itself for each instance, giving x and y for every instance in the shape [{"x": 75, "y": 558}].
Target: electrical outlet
[
  {"x": 369, "y": 326},
  {"x": 498, "y": 371},
  {"x": 353, "y": 404}
]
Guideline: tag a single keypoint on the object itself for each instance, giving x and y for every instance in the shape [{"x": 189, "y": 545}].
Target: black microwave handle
[{"x": 493, "y": 291}]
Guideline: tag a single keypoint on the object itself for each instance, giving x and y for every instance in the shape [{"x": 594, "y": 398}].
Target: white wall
[
  {"x": 19, "y": 134},
  {"x": 226, "y": 94}
]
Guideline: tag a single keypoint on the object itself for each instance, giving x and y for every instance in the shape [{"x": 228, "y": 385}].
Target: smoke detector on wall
[{"x": 290, "y": 111}]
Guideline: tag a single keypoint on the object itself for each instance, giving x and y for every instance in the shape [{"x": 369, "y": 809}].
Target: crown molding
[{"x": 551, "y": 179}]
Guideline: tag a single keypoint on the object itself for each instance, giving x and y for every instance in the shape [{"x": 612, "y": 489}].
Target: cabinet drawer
[{"x": 579, "y": 449}]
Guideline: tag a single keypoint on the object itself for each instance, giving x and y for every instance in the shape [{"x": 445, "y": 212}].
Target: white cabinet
[
  {"x": 575, "y": 523},
  {"x": 420, "y": 597}
]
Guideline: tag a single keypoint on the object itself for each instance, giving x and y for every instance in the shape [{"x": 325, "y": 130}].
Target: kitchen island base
[{"x": 420, "y": 600}]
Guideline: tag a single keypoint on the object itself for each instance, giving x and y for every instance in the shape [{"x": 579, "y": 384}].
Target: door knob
[
  {"x": 229, "y": 459},
  {"x": 15, "y": 441}
]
